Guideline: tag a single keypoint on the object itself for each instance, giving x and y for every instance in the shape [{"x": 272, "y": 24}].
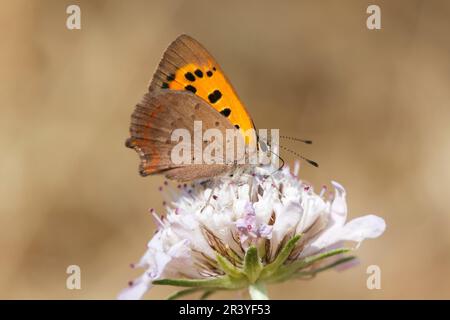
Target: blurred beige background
[{"x": 376, "y": 103}]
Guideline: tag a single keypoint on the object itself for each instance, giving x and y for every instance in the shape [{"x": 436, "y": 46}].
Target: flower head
[{"x": 247, "y": 231}]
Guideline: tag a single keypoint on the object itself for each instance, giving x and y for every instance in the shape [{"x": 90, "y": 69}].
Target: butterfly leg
[{"x": 211, "y": 195}]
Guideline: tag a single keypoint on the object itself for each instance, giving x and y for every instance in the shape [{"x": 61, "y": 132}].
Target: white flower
[{"x": 255, "y": 228}]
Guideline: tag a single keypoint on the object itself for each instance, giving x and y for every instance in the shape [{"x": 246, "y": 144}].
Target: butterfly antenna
[
  {"x": 282, "y": 163},
  {"x": 279, "y": 157},
  {"x": 267, "y": 147},
  {"x": 311, "y": 162},
  {"x": 296, "y": 139}
]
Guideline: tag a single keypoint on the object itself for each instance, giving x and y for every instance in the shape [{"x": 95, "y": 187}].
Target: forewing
[{"x": 187, "y": 66}]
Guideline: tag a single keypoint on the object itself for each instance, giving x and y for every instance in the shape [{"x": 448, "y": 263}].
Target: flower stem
[{"x": 258, "y": 291}]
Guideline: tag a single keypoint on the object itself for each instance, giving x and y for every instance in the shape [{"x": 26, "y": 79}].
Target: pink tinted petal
[
  {"x": 249, "y": 209},
  {"x": 241, "y": 224},
  {"x": 265, "y": 231},
  {"x": 339, "y": 205},
  {"x": 312, "y": 208},
  {"x": 366, "y": 227},
  {"x": 287, "y": 218},
  {"x": 358, "y": 229},
  {"x": 161, "y": 261},
  {"x": 244, "y": 237},
  {"x": 136, "y": 290},
  {"x": 179, "y": 249}
]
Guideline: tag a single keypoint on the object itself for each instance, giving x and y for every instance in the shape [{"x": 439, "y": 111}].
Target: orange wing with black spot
[{"x": 188, "y": 66}]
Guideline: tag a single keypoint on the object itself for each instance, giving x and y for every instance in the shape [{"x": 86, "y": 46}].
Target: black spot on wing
[
  {"x": 189, "y": 76},
  {"x": 191, "y": 88},
  {"x": 165, "y": 85},
  {"x": 171, "y": 77},
  {"x": 199, "y": 73},
  {"x": 226, "y": 112},
  {"x": 215, "y": 96},
  {"x": 236, "y": 126},
  {"x": 209, "y": 73}
]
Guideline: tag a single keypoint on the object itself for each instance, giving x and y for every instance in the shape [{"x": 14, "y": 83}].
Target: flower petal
[
  {"x": 339, "y": 205},
  {"x": 366, "y": 227},
  {"x": 356, "y": 230},
  {"x": 134, "y": 292},
  {"x": 286, "y": 219}
]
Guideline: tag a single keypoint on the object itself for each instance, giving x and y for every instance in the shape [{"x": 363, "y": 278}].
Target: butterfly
[{"x": 188, "y": 86}]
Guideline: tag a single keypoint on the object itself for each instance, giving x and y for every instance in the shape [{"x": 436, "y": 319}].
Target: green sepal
[
  {"x": 324, "y": 268},
  {"x": 286, "y": 271},
  {"x": 252, "y": 264},
  {"x": 281, "y": 258},
  {"x": 229, "y": 268},
  {"x": 222, "y": 282}
]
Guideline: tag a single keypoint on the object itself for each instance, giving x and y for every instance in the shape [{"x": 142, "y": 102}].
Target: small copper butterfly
[{"x": 189, "y": 86}]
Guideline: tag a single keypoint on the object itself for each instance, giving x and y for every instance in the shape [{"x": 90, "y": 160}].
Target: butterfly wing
[
  {"x": 188, "y": 66},
  {"x": 152, "y": 123}
]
